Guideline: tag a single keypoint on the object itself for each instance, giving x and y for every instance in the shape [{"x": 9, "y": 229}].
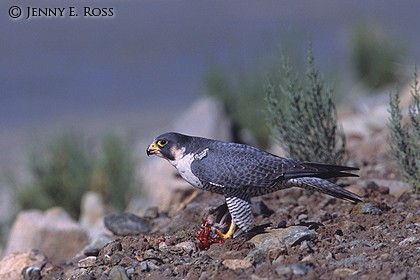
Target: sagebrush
[
  {"x": 60, "y": 174},
  {"x": 302, "y": 115},
  {"x": 405, "y": 137},
  {"x": 67, "y": 168},
  {"x": 113, "y": 175}
]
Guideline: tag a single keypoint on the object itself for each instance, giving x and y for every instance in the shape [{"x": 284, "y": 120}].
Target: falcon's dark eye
[{"x": 162, "y": 143}]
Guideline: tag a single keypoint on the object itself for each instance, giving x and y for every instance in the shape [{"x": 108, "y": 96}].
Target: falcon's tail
[
  {"x": 319, "y": 170},
  {"x": 324, "y": 186}
]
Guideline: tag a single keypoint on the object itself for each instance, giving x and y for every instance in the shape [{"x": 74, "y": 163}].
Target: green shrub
[
  {"x": 405, "y": 138},
  {"x": 60, "y": 175},
  {"x": 374, "y": 56},
  {"x": 67, "y": 168},
  {"x": 302, "y": 115},
  {"x": 113, "y": 175}
]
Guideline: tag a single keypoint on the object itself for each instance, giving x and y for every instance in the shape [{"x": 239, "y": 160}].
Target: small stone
[
  {"x": 409, "y": 241},
  {"x": 81, "y": 274},
  {"x": 361, "y": 243},
  {"x": 124, "y": 224},
  {"x": 97, "y": 244},
  {"x": 237, "y": 264},
  {"x": 280, "y": 260},
  {"x": 188, "y": 246},
  {"x": 298, "y": 234},
  {"x": 409, "y": 217},
  {"x": 118, "y": 273},
  {"x": 304, "y": 246},
  {"x": 175, "y": 250},
  {"x": 205, "y": 275},
  {"x": 330, "y": 256},
  {"x": 134, "y": 263},
  {"x": 379, "y": 246},
  {"x": 302, "y": 217},
  {"x": 147, "y": 266},
  {"x": 163, "y": 247},
  {"x": 383, "y": 228},
  {"x": 112, "y": 248},
  {"x": 309, "y": 258},
  {"x": 299, "y": 269},
  {"x": 339, "y": 235},
  {"x": 282, "y": 224},
  {"x": 91, "y": 251},
  {"x": 256, "y": 277},
  {"x": 353, "y": 261},
  {"x": 343, "y": 272},
  {"x": 87, "y": 262},
  {"x": 370, "y": 185},
  {"x": 144, "y": 266},
  {"x": 151, "y": 213},
  {"x": 339, "y": 232},
  {"x": 256, "y": 256},
  {"x": 369, "y": 208},
  {"x": 233, "y": 254},
  {"x": 284, "y": 272},
  {"x": 129, "y": 271},
  {"x": 31, "y": 273},
  {"x": 399, "y": 276},
  {"x": 384, "y": 257},
  {"x": 290, "y": 236},
  {"x": 168, "y": 272}
]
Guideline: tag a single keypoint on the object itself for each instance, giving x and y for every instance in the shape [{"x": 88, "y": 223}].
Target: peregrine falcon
[{"x": 240, "y": 172}]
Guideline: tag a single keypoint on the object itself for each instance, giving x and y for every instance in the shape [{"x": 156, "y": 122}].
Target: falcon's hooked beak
[{"x": 153, "y": 149}]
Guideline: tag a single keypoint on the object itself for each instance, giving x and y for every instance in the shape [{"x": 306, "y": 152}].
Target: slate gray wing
[{"x": 234, "y": 165}]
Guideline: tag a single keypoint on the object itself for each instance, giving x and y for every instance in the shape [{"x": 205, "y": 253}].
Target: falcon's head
[{"x": 170, "y": 146}]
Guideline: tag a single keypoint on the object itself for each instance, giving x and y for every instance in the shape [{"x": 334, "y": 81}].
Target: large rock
[
  {"x": 12, "y": 266},
  {"x": 52, "y": 232},
  {"x": 205, "y": 118}
]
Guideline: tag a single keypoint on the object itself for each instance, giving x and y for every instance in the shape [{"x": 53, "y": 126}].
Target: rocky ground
[
  {"x": 298, "y": 234},
  {"x": 301, "y": 235}
]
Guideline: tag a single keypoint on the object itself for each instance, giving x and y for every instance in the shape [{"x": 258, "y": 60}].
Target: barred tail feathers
[{"x": 324, "y": 186}]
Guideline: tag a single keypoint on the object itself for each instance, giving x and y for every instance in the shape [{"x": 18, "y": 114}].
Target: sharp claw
[
  {"x": 229, "y": 233},
  {"x": 221, "y": 234}
]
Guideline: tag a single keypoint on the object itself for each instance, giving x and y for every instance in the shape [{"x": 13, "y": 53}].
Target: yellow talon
[{"x": 229, "y": 233}]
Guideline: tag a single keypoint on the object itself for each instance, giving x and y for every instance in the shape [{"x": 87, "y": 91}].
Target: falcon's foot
[
  {"x": 229, "y": 233},
  {"x": 216, "y": 228}
]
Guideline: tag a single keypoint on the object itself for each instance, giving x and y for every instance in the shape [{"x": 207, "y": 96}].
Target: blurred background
[{"x": 120, "y": 80}]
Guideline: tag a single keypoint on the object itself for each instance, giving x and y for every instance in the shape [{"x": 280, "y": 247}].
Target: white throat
[{"x": 182, "y": 163}]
